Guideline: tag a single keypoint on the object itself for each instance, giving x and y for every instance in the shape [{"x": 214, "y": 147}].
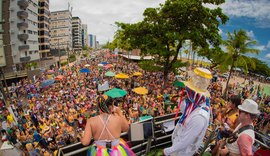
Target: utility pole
[
  {"x": 4, "y": 92},
  {"x": 68, "y": 52},
  {"x": 59, "y": 56}
]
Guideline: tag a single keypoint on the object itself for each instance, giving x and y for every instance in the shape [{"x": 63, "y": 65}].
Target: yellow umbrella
[
  {"x": 121, "y": 76},
  {"x": 137, "y": 74},
  {"x": 140, "y": 90}
]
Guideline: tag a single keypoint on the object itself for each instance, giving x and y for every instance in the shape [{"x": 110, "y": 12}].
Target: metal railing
[
  {"x": 17, "y": 74},
  {"x": 160, "y": 139}
]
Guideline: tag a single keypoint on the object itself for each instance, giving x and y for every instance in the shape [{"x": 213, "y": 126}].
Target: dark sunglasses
[{"x": 240, "y": 111}]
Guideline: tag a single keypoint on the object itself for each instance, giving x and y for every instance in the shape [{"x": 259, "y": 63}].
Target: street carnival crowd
[{"x": 54, "y": 116}]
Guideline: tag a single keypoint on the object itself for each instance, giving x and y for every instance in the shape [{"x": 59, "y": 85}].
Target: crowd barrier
[{"x": 161, "y": 139}]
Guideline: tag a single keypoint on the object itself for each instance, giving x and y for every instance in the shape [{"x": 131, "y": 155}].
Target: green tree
[
  {"x": 31, "y": 65},
  {"x": 85, "y": 47},
  {"x": 261, "y": 67},
  {"x": 164, "y": 29},
  {"x": 114, "y": 44},
  {"x": 214, "y": 55},
  {"x": 238, "y": 45},
  {"x": 72, "y": 58},
  {"x": 121, "y": 41}
]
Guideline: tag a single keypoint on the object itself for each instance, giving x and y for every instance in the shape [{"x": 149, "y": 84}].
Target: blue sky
[
  {"x": 256, "y": 32},
  {"x": 252, "y": 16}
]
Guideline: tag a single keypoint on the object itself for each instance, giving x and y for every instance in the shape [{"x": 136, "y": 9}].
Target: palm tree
[
  {"x": 187, "y": 53},
  {"x": 180, "y": 53},
  {"x": 195, "y": 50},
  {"x": 238, "y": 45}
]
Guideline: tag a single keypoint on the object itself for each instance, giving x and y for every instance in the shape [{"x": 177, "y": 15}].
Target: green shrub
[
  {"x": 72, "y": 59},
  {"x": 84, "y": 55},
  {"x": 72, "y": 56},
  {"x": 64, "y": 63}
]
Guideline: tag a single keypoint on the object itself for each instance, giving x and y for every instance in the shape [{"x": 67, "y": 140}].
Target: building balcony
[
  {"x": 22, "y": 25},
  {"x": 22, "y": 14},
  {"x": 23, "y": 37},
  {"x": 23, "y": 47},
  {"x": 23, "y": 4},
  {"x": 25, "y": 59}
]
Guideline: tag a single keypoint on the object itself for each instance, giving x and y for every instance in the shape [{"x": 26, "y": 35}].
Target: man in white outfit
[{"x": 190, "y": 130}]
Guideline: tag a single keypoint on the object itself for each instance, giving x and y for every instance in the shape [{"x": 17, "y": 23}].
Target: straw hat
[
  {"x": 200, "y": 81},
  {"x": 35, "y": 144},
  {"x": 46, "y": 128},
  {"x": 29, "y": 147},
  {"x": 249, "y": 106}
]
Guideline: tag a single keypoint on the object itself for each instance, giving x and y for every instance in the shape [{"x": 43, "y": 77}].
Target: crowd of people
[{"x": 45, "y": 118}]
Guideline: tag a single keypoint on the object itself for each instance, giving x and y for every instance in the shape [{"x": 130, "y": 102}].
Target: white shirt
[
  {"x": 233, "y": 147},
  {"x": 187, "y": 139},
  {"x": 4, "y": 125}
]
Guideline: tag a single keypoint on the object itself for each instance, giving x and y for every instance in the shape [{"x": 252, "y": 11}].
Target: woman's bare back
[{"x": 114, "y": 125}]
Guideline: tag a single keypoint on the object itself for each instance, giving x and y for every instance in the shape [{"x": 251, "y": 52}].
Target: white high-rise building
[
  {"x": 77, "y": 33},
  {"x": 43, "y": 29},
  {"x": 24, "y": 31},
  {"x": 85, "y": 37},
  {"x": 61, "y": 31}
]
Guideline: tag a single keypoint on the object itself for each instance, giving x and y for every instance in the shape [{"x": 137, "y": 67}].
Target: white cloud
[
  {"x": 251, "y": 34},
  {"x": 259, "y": 47},
  {"x": 98, "y": 15},
  {"x": 257, "y": 9},
  {"x": 268, "y": 45},
  {"x": 268, "y": 55},
  {"x": 223, "y": 48},
  {"x": 220, "y": 31},
  {"x": 248, "y": 8}
]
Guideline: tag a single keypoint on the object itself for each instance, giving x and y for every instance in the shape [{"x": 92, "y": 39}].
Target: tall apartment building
[
  {"x": 85, "y": 37},
  {"x": 43, "y": 28},
  {"x": 6, "y": 54},
  {"x": 92, "y": 41},
  {"x": 60, "y": 31},
  {"x": 20, "y": 39},
  {"x": 2, "y": 33},
  {"x": 77, "y": 33}
]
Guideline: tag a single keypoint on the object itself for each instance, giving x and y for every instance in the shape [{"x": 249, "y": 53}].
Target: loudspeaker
[{"x": 141, "y": 131}]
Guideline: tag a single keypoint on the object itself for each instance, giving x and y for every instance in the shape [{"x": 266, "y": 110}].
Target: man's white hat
[{"x": 249, "y": 106}]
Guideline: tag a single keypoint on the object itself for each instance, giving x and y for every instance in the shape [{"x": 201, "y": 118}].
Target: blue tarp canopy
[
  {"x": 47, "y": 83},
  {"x": 85, "y": 70}
]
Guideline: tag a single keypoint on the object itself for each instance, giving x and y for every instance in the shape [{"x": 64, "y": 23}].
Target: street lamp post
[{"x": 118, "y": 39}]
